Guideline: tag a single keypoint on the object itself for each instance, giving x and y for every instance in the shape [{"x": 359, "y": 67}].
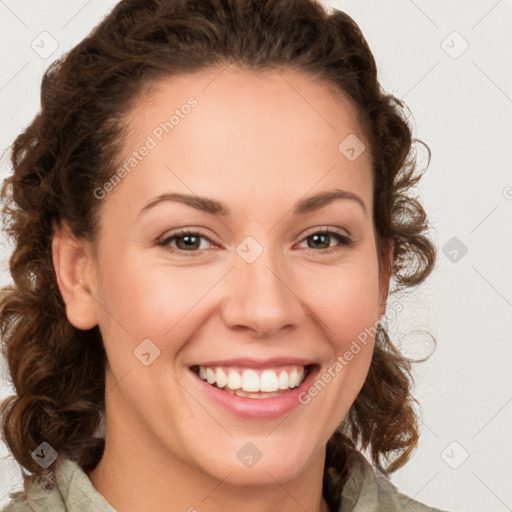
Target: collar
[{"x": 366, "y": 489}]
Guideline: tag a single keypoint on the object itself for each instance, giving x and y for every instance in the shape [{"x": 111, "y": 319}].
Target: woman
[{"x": 207, "y": 213}]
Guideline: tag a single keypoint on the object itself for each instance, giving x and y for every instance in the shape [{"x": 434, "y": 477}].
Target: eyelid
[
  {"x": 179, "y": 232},
  {"x": 345, "y": 239},
  {"x": 326, "y": 229}
]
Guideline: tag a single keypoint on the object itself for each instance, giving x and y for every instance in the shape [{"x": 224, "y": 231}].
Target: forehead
[
  {"x": 256, "y": 99},
  {"x": 269, "y": 135}
]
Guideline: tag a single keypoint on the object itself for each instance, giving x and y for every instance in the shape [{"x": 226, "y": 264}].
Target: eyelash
[{"x": 345, "y": 241}]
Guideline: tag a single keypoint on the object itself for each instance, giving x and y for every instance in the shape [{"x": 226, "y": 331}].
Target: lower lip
[{"x": 258, "y": 408}]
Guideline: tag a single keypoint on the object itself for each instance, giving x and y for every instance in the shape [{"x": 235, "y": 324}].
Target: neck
[{"x": 159, "y": 482}]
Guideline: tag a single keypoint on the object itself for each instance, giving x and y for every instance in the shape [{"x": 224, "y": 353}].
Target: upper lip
[{"x": 258, "y": 363}]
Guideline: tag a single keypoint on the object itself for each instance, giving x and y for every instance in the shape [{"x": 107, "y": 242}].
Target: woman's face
[{"x": 256, "y": 293}]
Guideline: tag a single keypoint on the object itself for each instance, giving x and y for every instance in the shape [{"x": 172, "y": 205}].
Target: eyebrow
[{"x": 214, "y": 207}]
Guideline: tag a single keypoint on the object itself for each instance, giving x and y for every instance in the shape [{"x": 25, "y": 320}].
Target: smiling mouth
[{"x": 254, "y": 383}]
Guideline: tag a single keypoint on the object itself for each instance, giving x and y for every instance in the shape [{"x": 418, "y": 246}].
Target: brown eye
[
  {"x": 322, "y": 240},
  {"x": 188, "y": 242},
  {"x": 185, "y": 241},
  {"x": 319, "y": 241}
]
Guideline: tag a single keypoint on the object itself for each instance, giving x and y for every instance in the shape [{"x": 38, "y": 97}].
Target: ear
[
  {"x": 73, "y": 261},
  {"x": 389, "y": 259}
]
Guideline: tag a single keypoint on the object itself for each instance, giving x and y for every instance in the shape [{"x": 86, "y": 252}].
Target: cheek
[
  {"x": 145, "y": 297},
  {"x": 345, "y": 300},
  {"x": 139, "y": 299}
]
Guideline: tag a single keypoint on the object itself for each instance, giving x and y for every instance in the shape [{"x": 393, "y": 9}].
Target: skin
[{"x": 258, "y": 143}]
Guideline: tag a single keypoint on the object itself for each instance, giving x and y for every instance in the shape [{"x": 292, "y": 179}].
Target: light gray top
[{"x": 366, "y": 490}]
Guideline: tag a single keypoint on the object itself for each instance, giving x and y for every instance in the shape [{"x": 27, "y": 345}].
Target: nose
[{"x": 260, "y": 297}]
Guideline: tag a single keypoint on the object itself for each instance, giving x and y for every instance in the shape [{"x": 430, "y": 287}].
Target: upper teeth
[{"x": 253, "y": 380}]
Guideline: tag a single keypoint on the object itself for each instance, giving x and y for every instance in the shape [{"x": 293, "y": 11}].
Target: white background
[{"x": 462, "y": 109}]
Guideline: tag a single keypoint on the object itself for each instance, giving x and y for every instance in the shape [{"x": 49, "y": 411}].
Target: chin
[{"x": 250, "y": 465}]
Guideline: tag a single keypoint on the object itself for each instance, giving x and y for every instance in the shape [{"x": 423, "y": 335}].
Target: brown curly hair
[{"x": 72, "y": 146}]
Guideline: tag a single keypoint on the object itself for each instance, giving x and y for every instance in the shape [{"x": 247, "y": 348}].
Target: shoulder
[
  {"x": 37, "y": 499},
  {"x": 17, "y": 504},
  {"x": 391, "y": 499},
  {"x": 67, "y": 488},
  {"x": 39, "y": 495},
  {"x": 367, "y": 489}
]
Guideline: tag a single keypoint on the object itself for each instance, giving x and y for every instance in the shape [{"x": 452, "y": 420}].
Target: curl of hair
[{"x": 73, "y": 145}]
